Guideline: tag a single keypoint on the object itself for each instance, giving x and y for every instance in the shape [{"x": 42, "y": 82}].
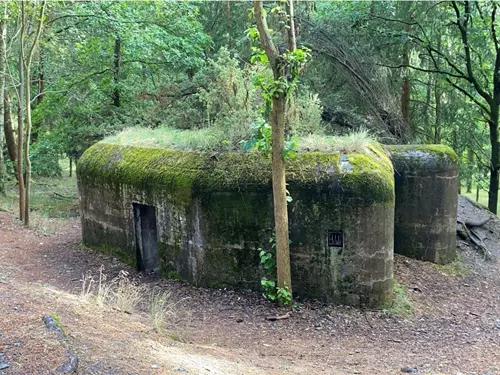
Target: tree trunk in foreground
[
  {"x": 284, "y": 277},
  {"x": 278, "y": 116},
  {"x": 495, "y": 160}
]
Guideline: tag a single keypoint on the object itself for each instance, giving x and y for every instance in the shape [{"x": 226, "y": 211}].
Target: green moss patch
[
  {"x": 399, "y": 305},
  {"x": 457, "y": 268},
  {"x": 366, "y": 173},
  {"x": 443, "y": 152}
]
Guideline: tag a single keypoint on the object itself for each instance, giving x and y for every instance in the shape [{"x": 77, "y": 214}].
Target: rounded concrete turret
[{"x": 426, "y": 181}]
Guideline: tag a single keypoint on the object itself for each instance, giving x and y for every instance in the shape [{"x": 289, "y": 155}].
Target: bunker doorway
[{"x": 146, "y": 237}]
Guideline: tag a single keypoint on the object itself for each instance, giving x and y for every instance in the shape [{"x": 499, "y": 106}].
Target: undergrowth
[
  {"x": 457, "y": 268},
  {"x": 400, "y": 304}
]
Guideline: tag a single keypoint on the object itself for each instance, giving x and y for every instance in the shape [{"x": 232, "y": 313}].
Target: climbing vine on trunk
[{"x": 286, "y": 64}]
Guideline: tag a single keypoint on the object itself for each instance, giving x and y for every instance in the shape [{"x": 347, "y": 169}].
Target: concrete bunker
[
  {"x": 212, "y": 212},
  {"x": 426, "y": 182}
]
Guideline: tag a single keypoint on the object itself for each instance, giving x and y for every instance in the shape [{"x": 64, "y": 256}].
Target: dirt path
[{"x": 455, "y": 329}]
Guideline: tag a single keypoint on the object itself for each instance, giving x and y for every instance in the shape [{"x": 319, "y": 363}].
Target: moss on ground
[
  {"x": 457, "y": 268},
  {"x": 399, "y": 305},
  {"x": 116, "y": 252}
]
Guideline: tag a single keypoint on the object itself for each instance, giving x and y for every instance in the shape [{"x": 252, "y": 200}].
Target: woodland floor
[{"x": 455, "y": 327}]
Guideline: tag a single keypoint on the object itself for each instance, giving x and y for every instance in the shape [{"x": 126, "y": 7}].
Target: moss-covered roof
[
  {"x": 423, "y": 156},
  {"x": 364, "y": 174}
]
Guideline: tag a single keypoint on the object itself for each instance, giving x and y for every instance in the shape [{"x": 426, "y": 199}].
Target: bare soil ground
[{"x": 455, "y": 327}]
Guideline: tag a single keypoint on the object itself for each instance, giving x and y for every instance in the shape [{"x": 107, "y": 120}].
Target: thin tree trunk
[
  {"x": 27, "y": 65},
  {"x": 27, "y": 146},
  {"x": 116, "y": 72},
  {"x": 10, "y": 138},
  {"x": 41, "y": 77},
  {"x": 278, "y": 111},
  {"x": 495, "y": 159},
  {"x": 278, "y": 120},
  {"x": 437, "y": 98},
  {"x": 3, "y": 30},
  {"x": 405, "y": 89},
  {"x": 470, "y": 162},
  {"x": 427, "y": 105},
  {"x": 20, "y": 127},
  {"x": 405, "y": 95},
  {"x": 70, "y": 167},
  {"x": 437, "y": 123}
]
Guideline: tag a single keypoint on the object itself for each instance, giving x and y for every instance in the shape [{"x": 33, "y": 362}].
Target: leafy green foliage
[
  {"x": 45, "y": 156},
  {"x": 260, "y": 139},
  {"x": 157, "y": 43},
  {"x": 268, "y": 261}
]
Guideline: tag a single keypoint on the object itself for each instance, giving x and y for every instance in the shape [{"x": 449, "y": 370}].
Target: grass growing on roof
[{"x": 217, "y": 139}]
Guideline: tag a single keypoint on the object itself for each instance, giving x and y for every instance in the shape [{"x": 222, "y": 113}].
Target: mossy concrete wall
[
  {"x": 426, "y": 179},
  {"x": 214, "y": 210}
]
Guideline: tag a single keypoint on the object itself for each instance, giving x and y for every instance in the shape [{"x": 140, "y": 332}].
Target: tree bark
[
  {"x": 278, "y": 119},
  {"x": 427, "y": 106},
  {"x": 20, "y": 124},
  {"x": 10, "y": 138},
  {"x": 27, "y": 82},
  {"x": 116, "y": 72},
  {"x": 437, "y": 123},
  {"x": 406, "y": 88},
  {"x": 27, "y": 146},
  {"x": 495, "y": 159},
  {"x": 3, "y": 62},
  {"x": 278, "y": 114},
  {"x": 41, "y": 77},
  {"x": 470, "y": 166}
]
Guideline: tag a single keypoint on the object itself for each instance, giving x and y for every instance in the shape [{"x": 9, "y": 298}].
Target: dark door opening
[{"x": 146, "y": 237}]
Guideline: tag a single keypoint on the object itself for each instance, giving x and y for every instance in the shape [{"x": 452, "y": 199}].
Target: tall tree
[{"x": 282, "y": 74}]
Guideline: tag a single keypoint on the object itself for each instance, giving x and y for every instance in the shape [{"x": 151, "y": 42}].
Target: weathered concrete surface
[
  {"x": 214, "y": 213},
  {"x": 426, "y": 179}
]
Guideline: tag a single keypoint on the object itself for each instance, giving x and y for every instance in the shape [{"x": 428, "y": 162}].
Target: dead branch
[{"x": 278, "y": 317}]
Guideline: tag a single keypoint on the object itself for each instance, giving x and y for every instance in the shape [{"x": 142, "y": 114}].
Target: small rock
[
  {"x": 3, "y": 366},
  {"x": 410, "y": 370},
  {"x": 51, "y": 323},
  {"x": 180, "y": 369},
  {"x": 69, "y": 366},
  {"x": 239, "y": 320},
  {"x": 155, "y": 366},
  {"x": 497, "y": 323}
]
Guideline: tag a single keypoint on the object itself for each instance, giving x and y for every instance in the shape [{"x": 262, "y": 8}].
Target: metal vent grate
[{"x": 335, "y": 238}]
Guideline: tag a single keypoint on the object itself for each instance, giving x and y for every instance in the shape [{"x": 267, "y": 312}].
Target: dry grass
[
  {"x": 159, "y": 311},
  {"x": 120, "y": 293},
  {"x": 123, "y": 294}
]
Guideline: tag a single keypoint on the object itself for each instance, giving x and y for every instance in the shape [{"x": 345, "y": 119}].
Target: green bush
[{"x": 45, "y": 156}]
